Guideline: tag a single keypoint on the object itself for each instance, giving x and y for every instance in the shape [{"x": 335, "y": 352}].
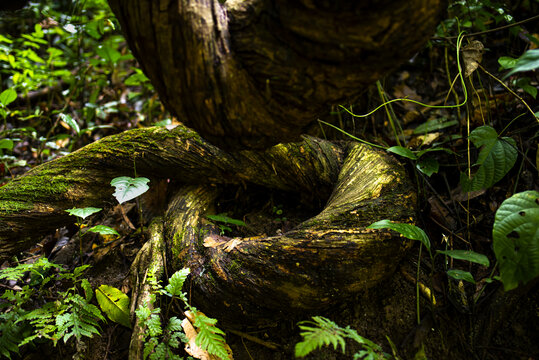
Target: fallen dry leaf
[{"x": 472, "y": 54}]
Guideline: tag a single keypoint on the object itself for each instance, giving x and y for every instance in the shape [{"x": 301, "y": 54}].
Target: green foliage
[
  {"x": 461, "y": 275},
  {"x": 516, "y": 238},
  {"x": 409, "y": 231},
  {"x": 175, "y": 285},
  {"x": 83, "y": 213},
  {"x": 224, "y": 220},
  {"x": 128, "y": 188},
  {"x": 78, "y": 318},
  {"x": 496, "y": 158},
  {"x": 160, "y": 341},
  {"x": 467, "y": 255},
  {"x": 30, "y": 314},
  {"x": 210, "y": 337},
  {"x": 114, "y": 303},
  {"x": 323, "y": 332},
  {"x": 103, "y": 230},
  {"x": 527, "y": 62}
]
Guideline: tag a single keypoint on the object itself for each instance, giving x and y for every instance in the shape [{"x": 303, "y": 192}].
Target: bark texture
[{"x": 253, "y": 73}]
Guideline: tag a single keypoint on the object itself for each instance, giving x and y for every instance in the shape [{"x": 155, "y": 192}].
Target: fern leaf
[
  {"x": 209, "y": 337},
  {"x": 154, "y": 325},
  {"x": 176, "y": 281},
  {"x": 323, "y": 333}
]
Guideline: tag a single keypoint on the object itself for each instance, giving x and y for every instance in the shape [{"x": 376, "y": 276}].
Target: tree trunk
[{"x": 253, "y": 73}]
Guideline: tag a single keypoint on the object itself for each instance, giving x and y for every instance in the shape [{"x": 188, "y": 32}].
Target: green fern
[
  {"x": 323, "y": 332},
  {"x": 210, "y": 337},
  {"x": 81, "y": 320},
  {"x": 318, "y": 333}
]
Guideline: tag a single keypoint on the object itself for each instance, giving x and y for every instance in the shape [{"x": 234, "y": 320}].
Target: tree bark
[{"x": 253, "y": 73}]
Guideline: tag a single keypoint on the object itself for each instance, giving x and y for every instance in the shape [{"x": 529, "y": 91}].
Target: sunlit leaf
[
  {"x": 6, "y": 144},
  {"x": 128, "y": 188},
  {"x": 103, "y": 230},
  {"x": 71, "y": 122},
  {"x": 516, "y": 238},
  {"x": 114, "y": 303},
  {"x": 83, "y": 212},
  {"x": 7, "y": 97}
]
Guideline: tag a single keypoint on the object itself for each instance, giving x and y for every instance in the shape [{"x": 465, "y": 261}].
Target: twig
[
  {"x": 269, "y": 345},
  {"x": 490, "y": 30}
]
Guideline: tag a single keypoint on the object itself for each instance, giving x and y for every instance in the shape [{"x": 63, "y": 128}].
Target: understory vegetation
[{"x": 462, "y": 115}]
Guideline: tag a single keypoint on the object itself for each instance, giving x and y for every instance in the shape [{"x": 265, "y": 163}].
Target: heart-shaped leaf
[
  {"x": 128, "y": 188},
  {"x": 83, "y": 213},
  {"x": 114, "y": 303},
  {"x": 516, "y": 238},
  {"x": 496, "y": 158}
]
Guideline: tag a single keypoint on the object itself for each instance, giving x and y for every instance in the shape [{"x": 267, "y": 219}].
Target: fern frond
[
  {"x": 323, "y": 332},
  {"x": 176, "y": 281},
  {"x": 209, "y": 337},
  {"x": 154, "y": 325}
]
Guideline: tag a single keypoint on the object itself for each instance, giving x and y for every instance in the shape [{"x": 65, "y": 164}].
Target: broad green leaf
[
  {"x": 402, "y": 151},
  {"x": 111, "y": 55},
  {"x": 496, "y": 158},
  {"x": 103, "y": 230},
  {"x": 6, "y": 144},
  {"x": 434, "y": 125},
  {"x": 71, "y": 122},
  {"x": 516, "y": 238},
  {"x": 114, "y": 303},
  {"x": 225, "y": 219},
  {"x": 128, "y": 188},
  {"x": 83, "y": 212},
  {"x": 507, "y": 62},
  {"x": 461, "y": 275},
  {"x": 527, "y": 62},
  {"x": 467, "y": 255},
  {"x": 427, "y": 165},
  {"x": 411, "y": 232},
  {"x": 7, "y": 97}
]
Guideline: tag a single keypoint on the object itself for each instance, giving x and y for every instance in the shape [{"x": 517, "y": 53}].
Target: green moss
[{"x": 10, "y": 206}]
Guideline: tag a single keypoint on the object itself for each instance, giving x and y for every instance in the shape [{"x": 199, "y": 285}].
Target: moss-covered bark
[{"x": 34, "y": 204}]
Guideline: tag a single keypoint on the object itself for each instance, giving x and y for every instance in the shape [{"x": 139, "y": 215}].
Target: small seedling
[{"x": 83, "y": 213}]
